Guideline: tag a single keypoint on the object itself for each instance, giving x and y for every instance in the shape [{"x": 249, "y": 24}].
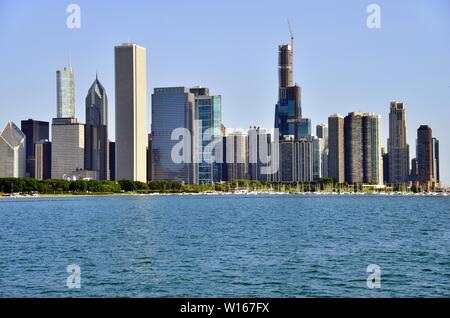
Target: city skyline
[{"x": 428, "y": 114}]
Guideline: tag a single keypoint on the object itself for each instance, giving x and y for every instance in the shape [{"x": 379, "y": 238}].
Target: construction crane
[{"x": 292, "y": 35}]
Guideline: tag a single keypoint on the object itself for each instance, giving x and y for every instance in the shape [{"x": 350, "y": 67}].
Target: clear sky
[{"x": 231, "y": 47}]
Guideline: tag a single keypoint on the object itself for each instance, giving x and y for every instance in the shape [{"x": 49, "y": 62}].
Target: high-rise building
[
  {"x": 112, "y": 160},
  {"x": 149, "y": 157},
  {"x": 288, "y": 109},
  {"x": 385, "y": 156},
  {"x": 296, "y": 160},
  {"x": 35, "y": 131},
  {"x": 318, "y": 158},
  {"x": 336, "y": 154},
  {"x": 96, "y": 132},
  {"x": 67, "y": 148},
  {"x": 259, "y": 154},
  {"x": 12, "y": 152},
  {"x": 322, "y": 132},
  {"x": 208, "y": 116},
  {"x": 131, "y": 112},
  {"x": 436, "y": 172},
  {"x": 237, "y": 156},
  {"x": 414, "y": 175},
  {"x": 363, "y": 161},
  {"x": 65, "y": 93},
  {"x": 173, "y": 115},
  {"x": 425, "y": 155},
  {"x": 43, "y": 160},
  {"x": 304, "y": 128},
  {"x": 353, "y": 148},
  {"x": 398, "y": 148},
  {"x": 372, "y": 159}
]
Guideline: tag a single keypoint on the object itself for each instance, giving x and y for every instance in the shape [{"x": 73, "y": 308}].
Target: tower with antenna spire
[{"x": 288, "y": 109}]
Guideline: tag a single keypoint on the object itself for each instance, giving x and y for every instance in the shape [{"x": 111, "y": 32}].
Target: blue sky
[{"x": 231, "y": 47}]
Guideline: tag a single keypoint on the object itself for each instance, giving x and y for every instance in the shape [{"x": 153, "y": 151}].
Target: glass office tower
[{"x": 65, "y": 93}]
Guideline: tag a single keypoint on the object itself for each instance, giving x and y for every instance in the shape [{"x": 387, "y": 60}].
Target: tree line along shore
[{"x": 32, "y": 186}]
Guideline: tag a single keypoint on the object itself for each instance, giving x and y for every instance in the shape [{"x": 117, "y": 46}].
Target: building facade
[
  {"x": 296, "y": 160},
  {"x": 96, "y": 132},
  {"x": 35, "y": 131},
  {"x": 208, "y": 116},
  {"x": 336, "y": 152},
  {"x": 131, "y": 112},
  {"x": 43, "y": 160},
  {"x": 425, "y": 155},
  {"x": 173, "y": 134},
  {"x": 12, "y": 152},
  {"x": 65, "y": 93},
  {"x": 67, "y": 148},
  {"x": 398, "y": 148},
  {"x": 236, "y": 156}
]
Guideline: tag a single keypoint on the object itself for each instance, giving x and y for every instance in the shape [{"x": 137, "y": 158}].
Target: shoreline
[{"x": 236, "y": 193}]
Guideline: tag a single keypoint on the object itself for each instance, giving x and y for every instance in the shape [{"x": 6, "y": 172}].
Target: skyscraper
[
  {"x": 353, "y": 148},
  {"x": 363, "y": 161},
  {"x": 67, "y": 147},
  {"x": 296, "y": 160},
  {"x": 398, "y": 148},
  {"x": 43, "y": 160},
  {"x": 436, "y": 172},
  {"x": 12, "y": 152},
  {"x": 322, "y": 132},
  {"x": 288, "y": 109},
  {"x": 208, "y": 116},
  {"x": 96, "y": 132},
  {"x": 372, "y": 158},
  {"x": 259, "y": 154},
  {"x": 236, "y": 156},
  {"x": 425, "y": 155},
  {"x": 173, "y": 114},
  {"x": 65, "y": 93},
  {"x": 35, "y": 131},
  {"x": 131, "y": 112},
  {"x": 304, "y": 128},
  {"x": 336, "y": 155},
  {"x": 112, "y": 160}
]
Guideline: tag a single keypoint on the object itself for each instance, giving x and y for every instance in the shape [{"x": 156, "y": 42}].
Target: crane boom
[{"x": 292, "y": 35}]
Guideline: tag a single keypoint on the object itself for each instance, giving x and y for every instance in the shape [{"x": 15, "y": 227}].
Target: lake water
[{"x": 225, "y": 246}]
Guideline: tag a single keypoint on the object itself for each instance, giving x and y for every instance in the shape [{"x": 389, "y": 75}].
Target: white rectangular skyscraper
[{"x": 131, "y": 112}]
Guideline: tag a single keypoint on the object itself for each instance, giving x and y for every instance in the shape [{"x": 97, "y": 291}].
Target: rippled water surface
[{"x": 213, "y": 246}]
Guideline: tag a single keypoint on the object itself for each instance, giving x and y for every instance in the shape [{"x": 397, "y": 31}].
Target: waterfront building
[
  {"x": 65, "y": 93},
  {"x": 336, "y": 152},
  {"x": 425, "y": 155},
  {"x": 363, "y": 161},
  {"x": 12, "y": 152},
  {"x": 319, "y": 155},
  {"x": 259, "y": 154},
  {"x": 96, "y": 132},
  {"x": 296, "y": 160},
  {"x": 149, "y": 157},
  {"x": 43, "y": 160},
  {"x": 288, "y": 109},
  {"x": 34, "y": 131},
  {"x": 208, "y": 116},
  {"x": 385, "y": 159},
  {"x": 398, "y": 148},
  {"x": 436, "y": 172},
  {"x": 131, "y": 112},
  {"x": 236, "y": 156},
  {"x": 112, "y": 160},
  {"x": 173, "y": 112},
  {"x": 67, "y": 147}
]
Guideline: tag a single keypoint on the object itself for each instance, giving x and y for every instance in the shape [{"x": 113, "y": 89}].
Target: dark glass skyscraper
[
  {"x": 96, "y": 132},
  {"x": 34, "y": 131},
  {"x": 288, "y": 109},
  {"x": 425, "y": 154}
]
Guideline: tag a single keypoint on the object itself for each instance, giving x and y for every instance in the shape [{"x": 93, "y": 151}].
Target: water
[{"x": 225, "y": 246}]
